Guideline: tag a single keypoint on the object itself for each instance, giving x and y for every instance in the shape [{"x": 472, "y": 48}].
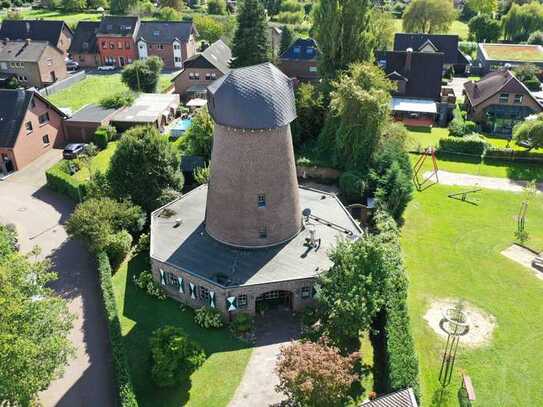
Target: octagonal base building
[{"x": 251, "y": 239}]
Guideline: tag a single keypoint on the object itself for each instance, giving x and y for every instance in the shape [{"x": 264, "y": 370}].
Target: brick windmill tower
[{"x": 253, "y": 199}]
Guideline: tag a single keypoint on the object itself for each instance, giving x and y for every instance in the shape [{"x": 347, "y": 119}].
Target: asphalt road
[{"x": 39, "y": 215}]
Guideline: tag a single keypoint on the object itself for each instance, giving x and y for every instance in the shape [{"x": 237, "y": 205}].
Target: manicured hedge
[
  {"x": 509, "y": 154},
  {"x": 58, "y": 180},
  {"x": 472, "y": 144},
  {"x": 127, "y": 397},
  {"x": 401, "y": 366}
]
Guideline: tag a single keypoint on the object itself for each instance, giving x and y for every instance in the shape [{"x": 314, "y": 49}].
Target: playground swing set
[{"x": 422, "y": 183}]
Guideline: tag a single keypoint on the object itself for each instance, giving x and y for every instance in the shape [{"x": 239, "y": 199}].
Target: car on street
[
  {"x": 72, "y": 150},
  {"x": 72, "y": 65}
]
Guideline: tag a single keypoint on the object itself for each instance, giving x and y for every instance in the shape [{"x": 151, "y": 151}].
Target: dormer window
[
  {"x": 156, "y": 33},
  {"x": 309, "y": 50},
  {"x": 109, "y": 27},
  {"x": 85, "y": 45},
  {"x": 297, "y": 50}
]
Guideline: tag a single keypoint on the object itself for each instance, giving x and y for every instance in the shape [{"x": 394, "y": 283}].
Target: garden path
[
  {"x": 257, "y": 387},
  {"x": 502, "y": 184}
]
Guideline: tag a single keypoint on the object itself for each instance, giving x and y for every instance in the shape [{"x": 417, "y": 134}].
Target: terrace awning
[
  {"x": 197, "y": 102},
  {"x": 413, "y": 105}
]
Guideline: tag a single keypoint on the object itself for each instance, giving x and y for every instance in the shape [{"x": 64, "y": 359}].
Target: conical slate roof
[{"x": 253, "y": 97}]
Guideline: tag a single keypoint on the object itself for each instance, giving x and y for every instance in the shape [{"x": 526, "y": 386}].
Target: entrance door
[
  {"x": 121, "y": 61},
  {"x": 53, "y": 76},
  {"x": 276, "y": 299}
]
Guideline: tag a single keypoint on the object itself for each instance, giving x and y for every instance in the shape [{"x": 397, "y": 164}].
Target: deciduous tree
[
  {"x": 530, "y": 132},
  {"x": 199, "y": 138},
  {"x": 144, "y": 167},
  {"x": 143, "y": 75},
  {"x": 216, "y": 7},
  {"x": 521, "y": 21},
  {"x": 429, "y": 16},
  {"x": 483, "y": 28},
  {"x": 315, "y": 374},
  {"x": 483, "y": 6},
  {"x": 251, "y": 45},
  {"x": 34, "y": 328},
  {"x": 342, "y": 30}
]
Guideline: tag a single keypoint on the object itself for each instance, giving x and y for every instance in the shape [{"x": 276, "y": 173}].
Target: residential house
[
  {"x": 35, "y": 63},
  {"x": 445, "y": 43},
  {"x": 172, "y": 41},
  {"x": 492, "y": 57},
  {"x": 499, "y": 101},
  {"x": 417, "y": 99},
  {"x": 201, "y": 70},
  {"x": 29, "y": 126},
  {"x": 84, "y": 47},
  {"x": 56, "y": 33},
  {"x": 149, "y": 109},
  {"x": 82, "y": 125},
  {"x": 116, "y": 40},
  {"x": 300, "y": 60}
]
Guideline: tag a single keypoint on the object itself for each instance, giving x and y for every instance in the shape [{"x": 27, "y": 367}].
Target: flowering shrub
[
  {"x": 208, "y": 318},
  {"x": 315, "y": 374},
  {"x": 146, "y": 282}
]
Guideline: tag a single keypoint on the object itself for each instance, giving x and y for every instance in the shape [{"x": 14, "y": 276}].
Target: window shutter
[
  {"x": 192, "y": 291},
  {"x": 212, "y": 299},
  {"x": 231, "y": 303},
  {"x": 181, "y": 287},
  {"x": 162, "y": 277}
]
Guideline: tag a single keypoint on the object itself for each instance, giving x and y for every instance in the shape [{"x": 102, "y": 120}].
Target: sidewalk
[{"x": 502, "y": 184}]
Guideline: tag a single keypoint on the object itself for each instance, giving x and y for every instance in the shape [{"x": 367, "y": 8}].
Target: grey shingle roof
[
  {"x": 217, "y": 55},
  {"x": 22, "y": 51},
  {"x": 446, "y": 43},
  {"x": 402, "y": 398},
  {"x": 165, "y": 31},
  {"x": 37, "y": 30},
  {"x": 13, "y": 107},
  {"x": 253, "y": 97},
  {"x": 124, "y": 26},
  {"x": 190, "y": 248},
  {"x": 91, "y": 114},
  {"x": 84, "y": 40}
]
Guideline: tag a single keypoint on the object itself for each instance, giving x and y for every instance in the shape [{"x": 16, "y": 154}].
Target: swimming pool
[{"x": 180, "y": 127}]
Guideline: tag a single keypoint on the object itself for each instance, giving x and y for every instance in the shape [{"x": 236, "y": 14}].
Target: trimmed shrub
[
  {"x": 62, "y": 182},
  {"x": 174, "y": 355},
  {"x": 351, "y": 185},
  {"x": 459, "y": 126},
  {"x": 208, "y": 318},
  {"x": 101, "y": 138},
  {"x": 508, "y": 154},
  {"x": 243, "y": 323},
  {"x": 118, "y": 247},
  {"x": 401, "y": 362},
  {"x": 533, "y": 84},
  {"x": 118, "y": 100},
  {"x": 472, "y": 144},
  {"x": 124, "y": 388},
  {"x": 146, "y": 282}
]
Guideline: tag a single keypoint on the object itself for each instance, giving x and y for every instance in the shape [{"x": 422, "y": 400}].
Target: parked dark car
[
  {"x": 72, "y": 150},
  {"x": 72, "y": 65}
]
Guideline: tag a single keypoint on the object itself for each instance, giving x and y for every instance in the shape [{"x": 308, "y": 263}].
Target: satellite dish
[{"x": 306, "y": 212}]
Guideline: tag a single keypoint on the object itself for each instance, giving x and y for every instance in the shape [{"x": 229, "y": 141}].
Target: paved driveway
[
  {"x": 39, "y": 215},
  {"x": 257, "y": 387}
]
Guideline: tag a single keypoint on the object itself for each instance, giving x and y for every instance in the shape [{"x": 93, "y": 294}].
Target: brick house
[
  {"x": 29, "y": 126},
  {"x": 116, "y": 40},
  {"x": 84, "y": 47},
  {"x": 499, "y": 101},
  {"x": 172, "y": 41},
  {"x": 300, "y": 60},
  {"x": 34, "y": 63},
  {"x": 56, "y": 33},
  {"x": 201, "y": 70}
]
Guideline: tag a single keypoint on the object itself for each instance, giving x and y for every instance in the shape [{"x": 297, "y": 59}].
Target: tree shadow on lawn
[{"x": 149, "y": 314}]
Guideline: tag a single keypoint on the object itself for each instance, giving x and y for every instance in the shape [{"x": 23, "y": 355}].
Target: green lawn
[
  {"x": 213, "y": 384},
  {"x": 94, "y": 88},
  {"x": 99, "y": 163},
  {"x": 457, "y": 27},
  {"x": 452, "y": 250},
  {"x": 70, "y": 18}
]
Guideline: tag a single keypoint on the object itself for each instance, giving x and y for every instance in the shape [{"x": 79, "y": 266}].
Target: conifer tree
[
  {"x": 251, "y": 44},
  {"x": 286, "y": 39}
]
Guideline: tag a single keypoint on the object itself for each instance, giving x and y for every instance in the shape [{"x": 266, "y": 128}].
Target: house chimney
[
  {"x": 28, "y": 41},
  {"x": 408, "y": 60}
]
